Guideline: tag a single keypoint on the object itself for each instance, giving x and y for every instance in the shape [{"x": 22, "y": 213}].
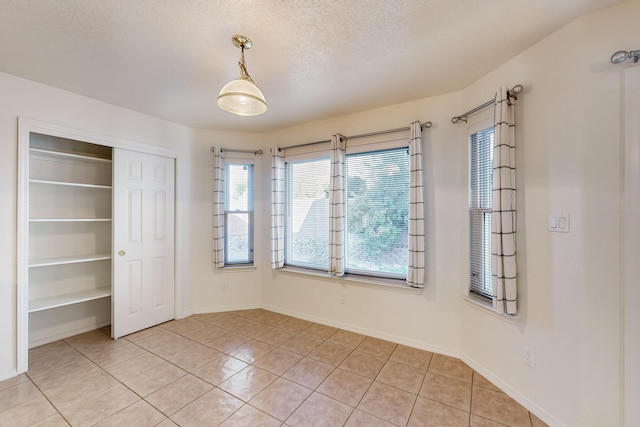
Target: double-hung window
[
  {"x": 480, "y": 203},
  {"x": 238, "y": 212},
  {"x": 376, "y": 210},
  {"x": 307, "y": 212}
]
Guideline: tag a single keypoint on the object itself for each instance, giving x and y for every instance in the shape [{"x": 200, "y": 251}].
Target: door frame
[
  {"x": 631, "y": 248},
  {"x": 27, "y": 126}
]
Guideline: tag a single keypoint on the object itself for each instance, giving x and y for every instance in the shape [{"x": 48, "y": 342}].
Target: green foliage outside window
[{"x": 378, "y": 201}]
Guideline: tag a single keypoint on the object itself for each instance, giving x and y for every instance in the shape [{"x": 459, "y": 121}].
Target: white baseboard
[
  {"x": 504, "y": 386},
  {"x": 222, "y": 309},
  {"x": 364, "y": 331},
  {"x": 5, "y": 375},
  {"x": 513, "y": 393},
  {"x": 67, "y": 333}
]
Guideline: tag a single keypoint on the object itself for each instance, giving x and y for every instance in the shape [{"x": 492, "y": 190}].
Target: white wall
[
  {"x": 428, "y": 319},
  {"x": 569, "y": 160},
  {"x": 35, "y": 101},
  {"x": 631, "y": 249},
  {"x": 243, "y": 285}
]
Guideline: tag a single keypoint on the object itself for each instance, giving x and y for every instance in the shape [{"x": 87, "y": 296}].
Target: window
[
  {"x": 377, "y": 212},
  {"x": 480, "y": 191},
  {"x": 307, "y": 213},
  {"x": 238, "y": 213},
  {"x": 376, "y": 209}
]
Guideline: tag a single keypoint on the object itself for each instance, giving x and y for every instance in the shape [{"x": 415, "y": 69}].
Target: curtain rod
[
  {"x": 229, "y": 150},
  {"x": 362, "y": 135},
  {"x": 463, "y": 117}
]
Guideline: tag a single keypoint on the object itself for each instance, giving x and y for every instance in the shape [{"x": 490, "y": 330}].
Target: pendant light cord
[{"x": 244, "y": 74}]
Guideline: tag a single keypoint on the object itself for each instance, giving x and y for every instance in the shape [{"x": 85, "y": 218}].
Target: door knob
[{"x": 121, "y": 252}]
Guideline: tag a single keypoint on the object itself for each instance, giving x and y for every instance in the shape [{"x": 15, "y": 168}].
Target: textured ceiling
[{"x": 312, "y": 59}]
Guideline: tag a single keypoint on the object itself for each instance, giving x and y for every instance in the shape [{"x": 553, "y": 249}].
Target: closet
[
  {"x": 70, "y": 226},
  {"x": 95, "y": 235}
]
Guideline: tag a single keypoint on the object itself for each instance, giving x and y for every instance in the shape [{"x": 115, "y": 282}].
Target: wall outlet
[
  {"x": 225, "y": 285},
  {"x": 530, "y": 357},
  {"x": 343, "y": 298}
]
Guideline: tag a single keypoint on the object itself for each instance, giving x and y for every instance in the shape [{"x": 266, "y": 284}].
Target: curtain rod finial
[{"x": 515, "y": 91}]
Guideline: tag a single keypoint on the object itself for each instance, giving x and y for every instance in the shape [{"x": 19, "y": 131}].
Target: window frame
[
  {"x": 250, "y": 211},
  {"x": 317, "y": 153},
  {"x": 363, "y": 150}
]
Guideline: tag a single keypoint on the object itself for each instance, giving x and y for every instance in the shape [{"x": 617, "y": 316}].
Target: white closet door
[{"x": 143, "y": 241}]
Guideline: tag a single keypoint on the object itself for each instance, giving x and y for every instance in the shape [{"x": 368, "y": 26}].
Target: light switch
[
  {"x": 559, "y": 222},
  {"x": 563, "y": 223}
]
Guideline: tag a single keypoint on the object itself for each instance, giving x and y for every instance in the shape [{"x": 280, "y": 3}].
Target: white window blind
[
  {"x": 238, "y": 213},
  {"x": 377, "y": 212},
  {"x": 307, "y": 213},
  {"x": 480, "y": 197},
  {"x": 377, "y": 188}
]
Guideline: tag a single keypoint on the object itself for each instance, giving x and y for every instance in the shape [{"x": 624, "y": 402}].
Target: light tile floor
[{"x": 249, "y": 368}]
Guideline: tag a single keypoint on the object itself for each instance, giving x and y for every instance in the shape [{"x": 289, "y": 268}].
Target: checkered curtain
[
  {"x": 415, "y": 270},
  {"x": 218, "y": 207},
  {"x": 503, "y": 215},
  {"x": 277, "y": 208},
  {"x": 336, "y": 206}
]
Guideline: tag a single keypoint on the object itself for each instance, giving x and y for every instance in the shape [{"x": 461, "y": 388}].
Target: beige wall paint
[
  {"x": 631, "y": 294},
  {"x": 379, "y": 311},
  {"x": 569, "y": 159},
  {"x": 32, "y": 100},
  {"x": 243, "y": 285},
  {"x": 23, "y": 98}
]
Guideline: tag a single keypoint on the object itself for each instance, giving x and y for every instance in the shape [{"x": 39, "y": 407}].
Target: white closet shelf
[
  {"x": 68, "y": 299},
  {"x": 44, "y": 262},
  {"x": 70, "y": 220},
  {"x": 51, "y": 155},
  {"x": 68, "y": 184}
]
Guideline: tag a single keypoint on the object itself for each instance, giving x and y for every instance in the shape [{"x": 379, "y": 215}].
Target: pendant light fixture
[{"x": 241, "y": 96}]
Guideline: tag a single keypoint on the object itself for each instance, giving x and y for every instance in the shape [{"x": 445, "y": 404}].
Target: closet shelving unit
[{"x": 70, "y": 186}]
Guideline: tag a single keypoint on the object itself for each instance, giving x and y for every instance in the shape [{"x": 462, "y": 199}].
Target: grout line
[
  {"x": 47, "y": 399},
  {"x": 231, "y": 319}
]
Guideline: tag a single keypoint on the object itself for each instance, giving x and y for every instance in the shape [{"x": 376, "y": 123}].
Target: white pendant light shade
[{"x": 243, "y": 98}]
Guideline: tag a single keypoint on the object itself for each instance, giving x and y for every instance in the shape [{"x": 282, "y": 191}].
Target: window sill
[
  {"x": 358, "y": 280},
  {"x": 238, "y": 268},
  {"x": 486, "y": 307}
]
